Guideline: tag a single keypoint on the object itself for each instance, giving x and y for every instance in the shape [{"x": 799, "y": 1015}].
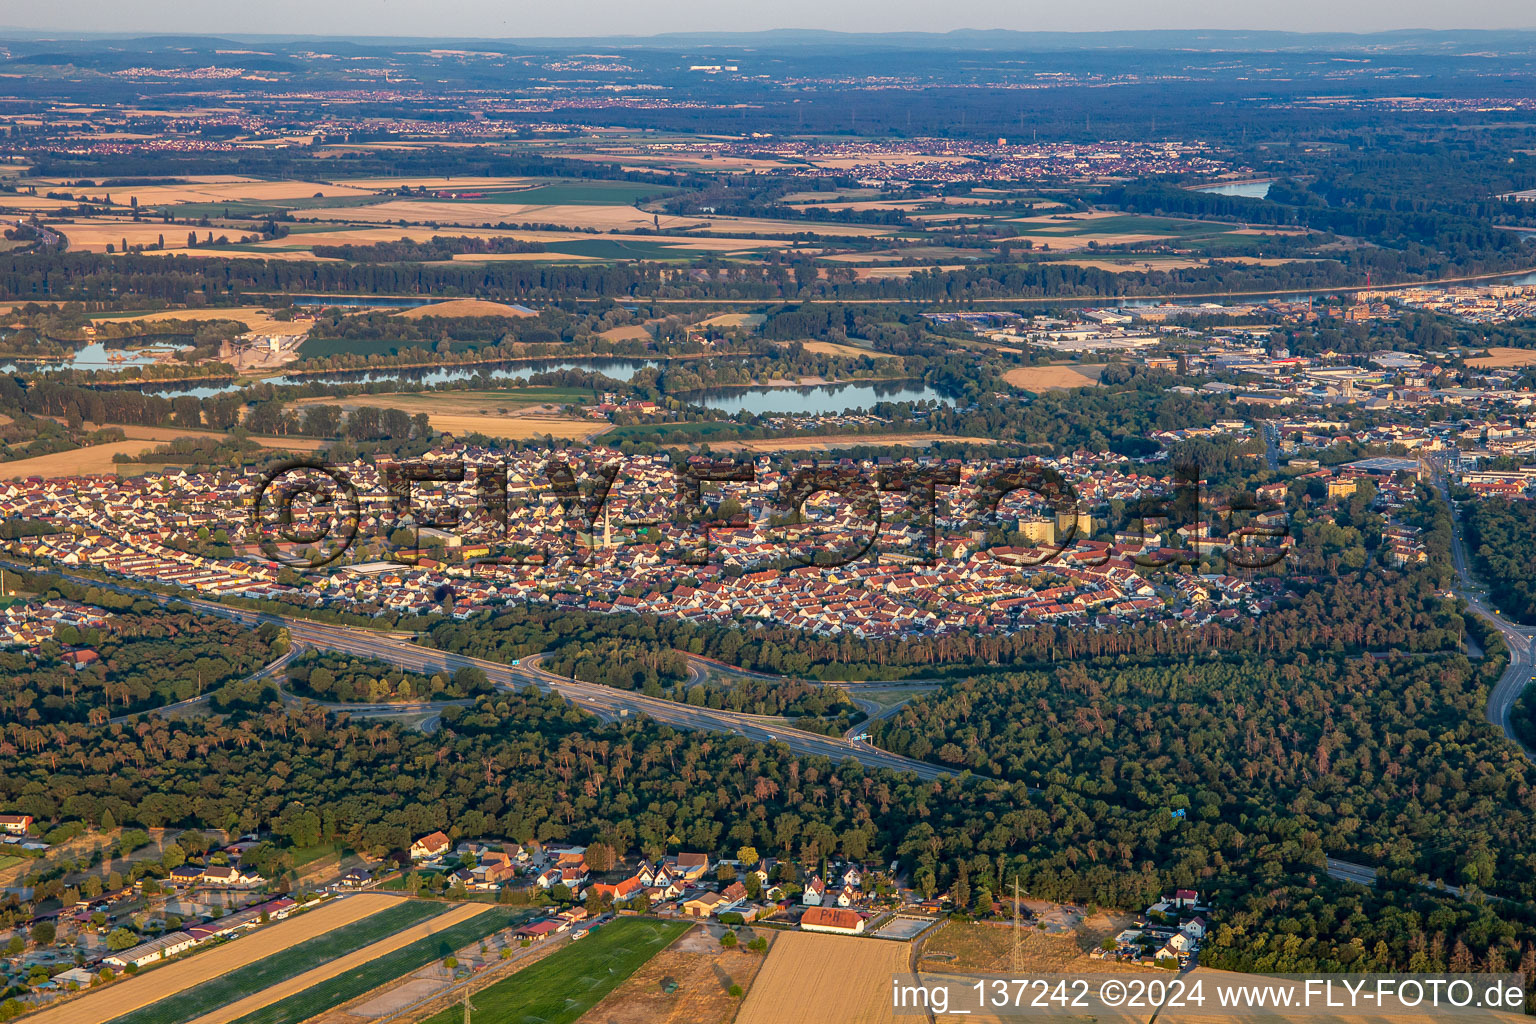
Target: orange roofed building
[{"x": 832, "y": 919}]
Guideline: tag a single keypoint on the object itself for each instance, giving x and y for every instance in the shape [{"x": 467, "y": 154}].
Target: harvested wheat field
[
  {"x": 94, "y": 234},
  {"x": 167, "y": 434},
  {"x": 1044, "y": 378},
  {"x": 520, "y": 426},
  {"x": 256, "y": 319},
  {"x": 95, "y": 459},
  {"x": 221, "y": 192},
  {"x": 704, "y": 974},
  {"x": 341, "y": 965},
  {"x": 821, "y": 979},
  {"x": 631, "y": 332},
  {"x": 833, "y": 348},
  {"x": 463, "y": 307},
  {"x": 101, "y": 1005},
  {"x": 1499, "y": 356}
]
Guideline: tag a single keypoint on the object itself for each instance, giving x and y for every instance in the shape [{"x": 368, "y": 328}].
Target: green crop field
[
  {"x": 565, "y": 985},
  {"x": 335, "y": 991},
  {"x": 295, "y": 960}
]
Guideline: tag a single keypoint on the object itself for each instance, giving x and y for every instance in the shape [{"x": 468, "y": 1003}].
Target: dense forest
[
  {"x": 147, "y": 657},
  {"x": 529, "y": 766},
  {"x": 325, "y": 676},
  {"x": 1501, "y": 536}
]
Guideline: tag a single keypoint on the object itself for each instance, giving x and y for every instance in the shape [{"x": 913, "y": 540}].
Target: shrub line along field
[
  {"x": 565, "y": 985},
  {"x": 109, "y": 1003},
  {"x": 279, "y": 967},
  {"x": 348, "y": 977}
]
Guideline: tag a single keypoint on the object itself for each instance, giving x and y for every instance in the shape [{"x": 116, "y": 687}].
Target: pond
[{"x": 1242, "y": 189}]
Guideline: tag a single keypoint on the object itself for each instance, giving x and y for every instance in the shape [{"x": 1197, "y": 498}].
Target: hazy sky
[{"x": 527, "y": 18}]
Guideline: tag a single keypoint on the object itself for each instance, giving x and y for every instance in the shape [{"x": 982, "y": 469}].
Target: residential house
[
  {"x": 432, "y": 847},
  {"x": 815, "y": 893},
  {"x": 15, "y": 824}
]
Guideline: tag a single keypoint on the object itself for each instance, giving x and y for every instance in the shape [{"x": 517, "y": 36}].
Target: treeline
[
  {"x": 438, "y": 247},
  {"x": 1501, "y": 536},
  {"x": 326, "y": 676},
  {"x": 632, "y": 663},
  {"x": 178, "y": 278},
  {"x": 1396, "y": 224}
]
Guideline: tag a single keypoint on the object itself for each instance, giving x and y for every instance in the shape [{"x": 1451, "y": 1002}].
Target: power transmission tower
[{"x": 467, "y": 1007}]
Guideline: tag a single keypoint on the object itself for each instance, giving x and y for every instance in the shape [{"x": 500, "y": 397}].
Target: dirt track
[{"x": 102, "y": 1005}]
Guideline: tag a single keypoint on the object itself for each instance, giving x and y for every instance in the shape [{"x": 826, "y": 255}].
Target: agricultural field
[
  {"x": 278, "y": 968},
  {"x": 967, "y": 946},
  {"x": 256, "y": 319},
  {"x": 811, "y": 978},
  {"x": 578, "y": 192},
  {"x": 1063, "y": 375},
  {"x": 98, "y": 458},
  {"x": 464, "y": 307},
  {"x": 562, "y": 987},
  {"x": 530, "y": 412},
  {"x": 700, "y": 974},
  {"x": 151, "y": 986},
  {"x": 81, "y": 461},
  {"x": 314, "y": 992},
  {"x": 1504, "y": 358}
]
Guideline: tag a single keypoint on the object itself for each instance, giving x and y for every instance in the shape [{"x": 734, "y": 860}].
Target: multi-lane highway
[
  {"x": 1522, "y": 652},
  {"x": 397, "y": 649}
]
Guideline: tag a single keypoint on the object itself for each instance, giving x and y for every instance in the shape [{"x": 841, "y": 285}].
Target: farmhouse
[
  {"x": 826, "y": 919},
  {"x": 163, "y": 948},
  {"x": 15, "y": 824},
  {"x": 691, "y": 866},
  {"x": 223, "y": 874}
]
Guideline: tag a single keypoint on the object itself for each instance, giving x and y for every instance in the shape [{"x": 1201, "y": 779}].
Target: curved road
[
  {"x": 1522, "y": 652},
  {"x": 601, "y": 700}
]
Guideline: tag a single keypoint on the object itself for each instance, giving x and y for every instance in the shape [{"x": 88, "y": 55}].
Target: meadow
[{"x": 565, "y": 985}]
